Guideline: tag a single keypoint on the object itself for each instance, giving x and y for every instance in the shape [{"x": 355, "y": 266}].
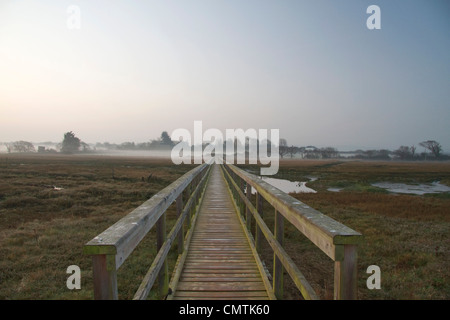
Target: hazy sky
[{"x": 309, "y": 68}]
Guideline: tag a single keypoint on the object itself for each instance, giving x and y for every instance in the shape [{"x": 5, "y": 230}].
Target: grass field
[
  {"x": 43, "y": 229},
  {"x": 51, "y": 205}
]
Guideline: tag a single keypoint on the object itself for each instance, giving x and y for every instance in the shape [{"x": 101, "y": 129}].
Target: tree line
[
  {"x": 72, "y": 144},
  {"x": 433, "y": 150}
]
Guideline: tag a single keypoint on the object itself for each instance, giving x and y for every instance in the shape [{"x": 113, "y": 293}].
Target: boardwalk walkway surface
[{"x": 220, "y": 263}]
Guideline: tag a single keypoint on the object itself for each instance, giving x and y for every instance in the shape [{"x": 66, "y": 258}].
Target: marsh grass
[{"x": 43, "y": 230}]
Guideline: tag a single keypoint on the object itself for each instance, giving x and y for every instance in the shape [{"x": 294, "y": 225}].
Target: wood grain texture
[{"x": 220, "y": 263}]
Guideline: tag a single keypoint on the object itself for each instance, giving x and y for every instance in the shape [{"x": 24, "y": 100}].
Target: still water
[
  {"x": 288, "y": 186},
  {"x": 418, "y": 189}
]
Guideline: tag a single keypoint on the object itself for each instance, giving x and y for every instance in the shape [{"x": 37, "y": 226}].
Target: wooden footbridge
[{"x": 218, "y": 234}]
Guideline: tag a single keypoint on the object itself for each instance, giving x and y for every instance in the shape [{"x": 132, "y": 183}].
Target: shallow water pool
[{"x": 419, "y": 189}]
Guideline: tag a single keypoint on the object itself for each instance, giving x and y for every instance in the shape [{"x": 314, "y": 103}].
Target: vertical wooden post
[
  {"x": 234, "y": 191},
  {"x": 248, "y": 214},
  {"x": 105, "y": 281},
  {"x": 191, "y": 209},
  {"x": 163, "y": 276},
  {"x": 179, "y": 203},
  {"x": 258, "y": 231},
  {"x": 194, "y": 186},
  {"x": 241, "y": 201},
  {"x": 345, "y": 275},
  {"x": 277, "y": 265}
]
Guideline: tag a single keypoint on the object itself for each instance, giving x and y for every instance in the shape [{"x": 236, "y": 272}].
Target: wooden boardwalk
[
  {"x": 217, "y": 255},
  {"x": 220, "y": 263}
]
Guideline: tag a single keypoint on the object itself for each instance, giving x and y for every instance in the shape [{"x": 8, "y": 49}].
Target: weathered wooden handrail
[
  {"x": 111, "y": 248},
  {"x": 338, "y": 241}
]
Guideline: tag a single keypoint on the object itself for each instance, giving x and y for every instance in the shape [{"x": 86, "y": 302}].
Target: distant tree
[
  {"x": 127, "y": 146},
  {"x": 403, "y": 153},
  {"x": 329, "y": 152},
  {"x": 9, "y": 147},
  {"x": 311, "y": 152},
  {"x": 165, "y": 139},
  {"x": 70, "y": 143},
  {"x": 105, "y": 145},
  {"x": 143, "y": 146},
  {"x": 433, "y": 146},
  {"x": 21, "y": 146},
  {"x": 383, "y": 154},
  {"x": 85, "y": 146},
  {"x": 283, "y": 148},
  {"x": 413, "y": 151},
  {"x": 292, "y": 150}
]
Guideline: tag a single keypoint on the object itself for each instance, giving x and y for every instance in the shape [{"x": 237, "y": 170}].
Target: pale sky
[{"x": 311, "y": 69}]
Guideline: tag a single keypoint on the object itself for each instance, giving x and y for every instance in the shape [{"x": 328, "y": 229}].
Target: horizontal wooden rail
[
  {"x": 112, "y": 247},
  {"x": 336, "y": 240},
  {"x": 155, "y": 268}
]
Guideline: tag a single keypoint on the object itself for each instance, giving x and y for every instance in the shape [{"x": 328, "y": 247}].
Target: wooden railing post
[
  {"x": 258, "y": 231},
  {"x": 191, "y": 210},
  {"x": 241, "y": 201},
  {"x": 197, "y": 197},
  {"x": 179, "y": 203},
  {"x": 163, "y": 276},
  {"x": 345, "y": 274},
  {"x": 105, "y": 281},
  {"x": 277, "y": 265},
  {"x": 248, "y": 214}
]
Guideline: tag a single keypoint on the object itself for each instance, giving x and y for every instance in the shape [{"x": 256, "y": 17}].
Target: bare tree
[
  {"x": 21, "y": 146},
  {"x": 403, "y": 152},
  {"x": 433, "y": 146},
  {"x": 413, "y": 151},
  {"x": 292, "y": 150},
  {"x": 329, "y": 152},
  {"x": 283, "y": 149}
]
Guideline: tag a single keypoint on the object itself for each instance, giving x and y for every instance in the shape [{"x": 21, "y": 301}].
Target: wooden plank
[
  {"x": 239, "y": 255},
  {"x": 225, "y": 294},
  {"x": 258, "y": 261},
  {"x": 220, "y": 286},
  {"x": 105, "y": 281},
  {"x": 222, "y": 271},
  {"x": 179, "y": 204},
  {"x": 220, "y": 263},
  {"x": 222, "y": 248},
  {"x": 240, "y": 259},
  {"x": 248, "y": 214},
  {"x": 277, "y": 265},
  {"x": 182, "y": 257},
  {"x": 222, "y": 266},
  {"x": 163, "y": 276},
  {"x": 345, "y": 275},
  {"x": 222, "y": 298},
  {"x": 253, "y": 278},
  {"x": 258, "y": 232},
  {"x": 219, "y": 253}
]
